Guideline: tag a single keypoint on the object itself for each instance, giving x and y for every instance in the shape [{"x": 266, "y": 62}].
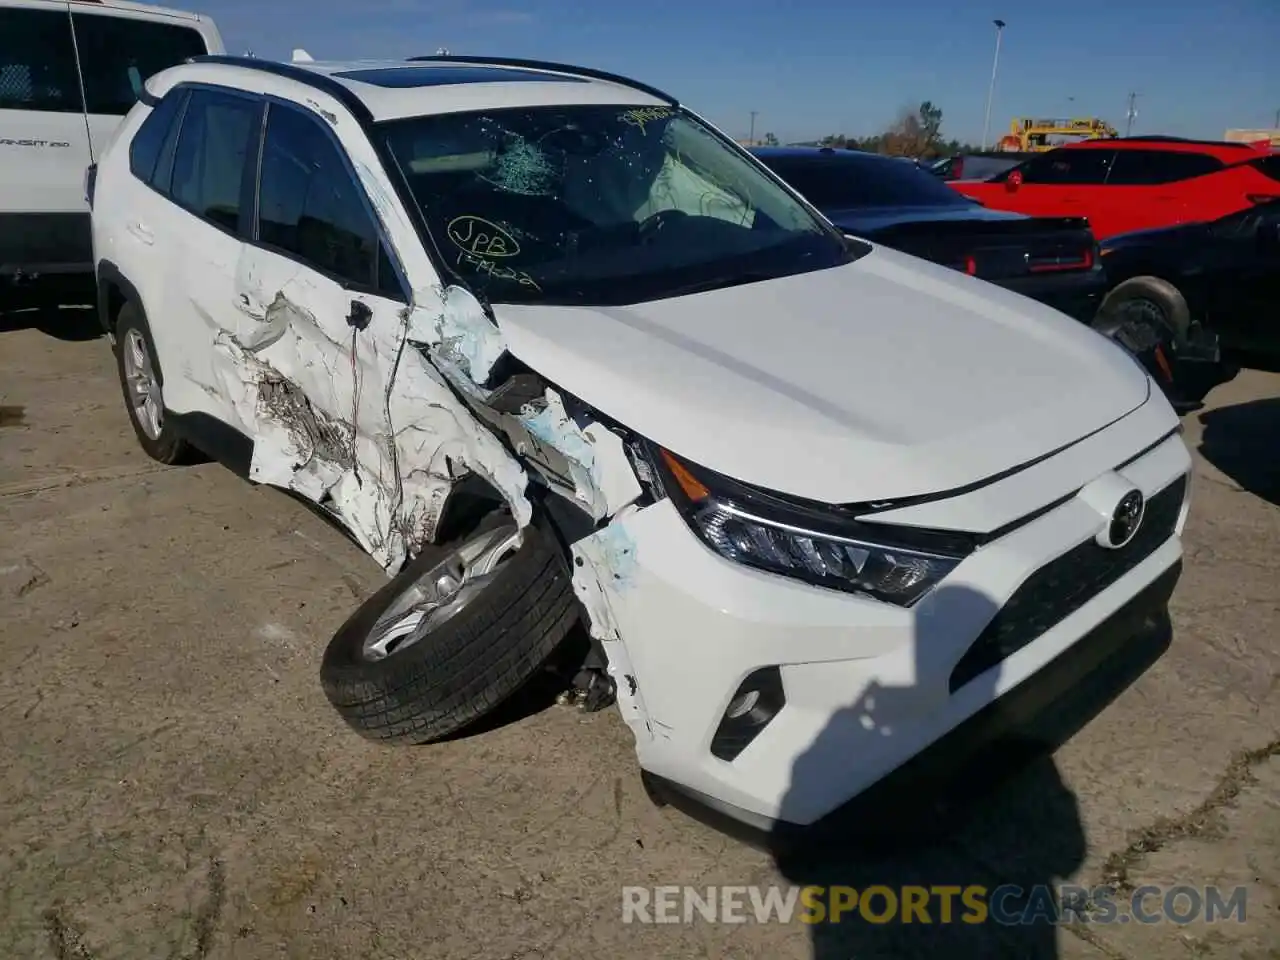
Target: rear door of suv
[{"x": 1155, "y": 188}]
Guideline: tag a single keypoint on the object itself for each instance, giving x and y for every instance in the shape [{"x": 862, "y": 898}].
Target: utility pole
[
  {"x": 751, "y": 137},
  {"x": 1277, "y": 126},
  {"x": 1133, "y": 112},
  {"x": 991, "y": 90}
]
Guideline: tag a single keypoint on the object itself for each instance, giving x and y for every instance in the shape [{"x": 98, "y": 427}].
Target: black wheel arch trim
[{"x": 109, "y": 277}]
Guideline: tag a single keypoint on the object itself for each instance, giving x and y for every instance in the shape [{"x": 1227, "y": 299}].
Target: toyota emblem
[{"x": 1126, "y": 519}]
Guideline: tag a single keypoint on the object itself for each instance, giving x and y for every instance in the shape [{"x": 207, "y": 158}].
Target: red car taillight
[{"x": 1083, "y": 262}]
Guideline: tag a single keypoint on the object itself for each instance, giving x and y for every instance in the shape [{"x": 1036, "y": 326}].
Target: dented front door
[{"x": 321, "y": 309}]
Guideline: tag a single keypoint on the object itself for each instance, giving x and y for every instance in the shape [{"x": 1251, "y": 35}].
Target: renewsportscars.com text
[{"x": 1008, "y": 904}]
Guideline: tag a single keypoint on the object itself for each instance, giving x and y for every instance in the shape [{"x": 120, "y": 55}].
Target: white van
[{"x": 69, "y": 72}]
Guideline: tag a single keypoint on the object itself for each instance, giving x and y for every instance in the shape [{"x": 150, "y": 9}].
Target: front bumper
[
  {"x": 867, "y": 685},
  {"x": 1041, "y": 713}
]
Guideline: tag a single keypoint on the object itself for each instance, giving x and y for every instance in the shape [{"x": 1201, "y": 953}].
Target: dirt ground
[{"x": 176, "y": 786}]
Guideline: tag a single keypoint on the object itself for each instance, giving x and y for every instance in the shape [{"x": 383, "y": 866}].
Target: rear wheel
[
  {"x": 1150, "y": 317},
  {"x": 140, "y": 380},
  {"x": 459, "y": 631}
]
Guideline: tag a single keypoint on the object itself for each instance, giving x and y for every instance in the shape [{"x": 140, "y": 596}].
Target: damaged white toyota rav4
[{"x": 823, "y": 507}]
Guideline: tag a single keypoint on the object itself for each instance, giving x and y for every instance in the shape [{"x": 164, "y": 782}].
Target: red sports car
[{"x": 1135, "y": 183}]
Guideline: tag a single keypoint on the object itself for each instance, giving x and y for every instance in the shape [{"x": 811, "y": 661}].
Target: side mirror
[{"x": 1013, "y": 181}]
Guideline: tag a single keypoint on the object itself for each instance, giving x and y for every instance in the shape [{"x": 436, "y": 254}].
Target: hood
[
  {"x": 884, "y": 378},
  {"x": 872, "y": 219}
]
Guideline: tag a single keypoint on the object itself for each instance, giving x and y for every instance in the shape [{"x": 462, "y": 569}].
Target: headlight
[{"x": 819, "y": 544}]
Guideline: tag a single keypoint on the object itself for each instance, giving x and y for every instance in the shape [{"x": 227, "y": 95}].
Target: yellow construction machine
[{"x": 1031, "y": 134}]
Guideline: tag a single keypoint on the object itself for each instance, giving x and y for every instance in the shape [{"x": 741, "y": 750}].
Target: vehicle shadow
[
  {"x": 1243, "y": 441},
  {"x": 985, "y": 808},
  {"x": 69, "y": 323}
]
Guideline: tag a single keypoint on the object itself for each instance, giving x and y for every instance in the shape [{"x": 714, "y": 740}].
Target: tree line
[{"x": 916, "y": 133}]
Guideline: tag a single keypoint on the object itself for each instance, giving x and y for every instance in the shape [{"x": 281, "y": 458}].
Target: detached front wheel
[{"x": 459, "y": 631}]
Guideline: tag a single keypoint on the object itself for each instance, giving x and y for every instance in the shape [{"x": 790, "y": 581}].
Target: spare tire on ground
[{"x": 455, "y": 634}]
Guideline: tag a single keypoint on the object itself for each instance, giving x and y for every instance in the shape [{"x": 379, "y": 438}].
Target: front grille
[{"x": 1063, "y": 586}]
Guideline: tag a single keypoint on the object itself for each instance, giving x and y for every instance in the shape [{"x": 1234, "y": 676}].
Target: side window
[
  {"x": 1080, "y": 167},
  {"x": 1268, "y": 166},
  {"x": 209, "y": 168},
  {"x": 154, "y": 132},
  {"x": 1151, "y": 167},
  {"x": 118, "y": 54},
  {"x": 37, "y": 62},
  {"x": 311, "y": 207}
]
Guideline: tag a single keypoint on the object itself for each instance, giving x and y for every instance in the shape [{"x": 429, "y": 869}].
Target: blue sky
[{"x": 809, "y": 68}]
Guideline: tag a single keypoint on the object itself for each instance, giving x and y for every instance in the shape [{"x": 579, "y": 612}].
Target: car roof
[
  {"x": 392, "y": 89},
  {"x": 1224, "y": 150},
  {"x": 135, "y": 10},
  {"x": 817, "y": 153}
]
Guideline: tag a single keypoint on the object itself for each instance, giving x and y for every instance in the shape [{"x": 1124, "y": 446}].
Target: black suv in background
[{"x": 1050, "y": 259}]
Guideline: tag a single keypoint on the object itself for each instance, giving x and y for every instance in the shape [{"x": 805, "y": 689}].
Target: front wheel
[{"x": 459, "y": 631}]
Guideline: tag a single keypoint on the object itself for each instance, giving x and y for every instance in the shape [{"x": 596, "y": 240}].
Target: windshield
[
  {"x": 601, "y": 205},
  {"x": 851, "y": 181}
]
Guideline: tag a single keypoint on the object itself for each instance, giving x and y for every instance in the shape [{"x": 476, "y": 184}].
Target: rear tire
[
  {"x": 470, "y": 663},
  {"x": 1148, "y": 300},
  {"x": 139, "y": 370}
]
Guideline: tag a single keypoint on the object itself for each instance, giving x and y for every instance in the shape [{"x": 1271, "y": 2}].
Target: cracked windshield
[{"x": 601, "y": 204}]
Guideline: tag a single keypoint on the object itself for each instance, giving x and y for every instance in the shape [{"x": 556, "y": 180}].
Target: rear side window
[
  {"x": 149, "y": 141},
  {"x": 209, "y": 164},
  {"x": 310, "y": 206},
  {"x": 37, "y": 62},
  {"x": 1270, "y": 166},
  {"x": 1081, "y": 167},
  {"x": 1150, "y": 167},
  {"x": 118, "y": 54}
]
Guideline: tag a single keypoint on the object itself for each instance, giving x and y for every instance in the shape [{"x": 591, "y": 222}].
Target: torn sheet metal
[
  {"x": 603, "y": 479},
  {"x": 461, "y": 332},
  {"x": 356, "y": 421},
  {"x": 603, "y": 565}
]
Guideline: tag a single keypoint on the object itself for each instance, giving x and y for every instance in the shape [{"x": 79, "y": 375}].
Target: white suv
[
  {"x": 69, "y": 72},
  {"x": 821, "y": 505}
]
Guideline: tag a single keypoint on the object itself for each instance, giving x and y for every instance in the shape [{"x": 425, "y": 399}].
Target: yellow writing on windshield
[{"x": 642, "y": 115}]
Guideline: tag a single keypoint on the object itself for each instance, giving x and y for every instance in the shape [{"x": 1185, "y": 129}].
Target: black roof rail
[
  {"x": 587, "y": 72},
  {"x": 312, "y": 78}
]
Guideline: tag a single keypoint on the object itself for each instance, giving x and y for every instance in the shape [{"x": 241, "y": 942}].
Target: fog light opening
[{"x": 755, "y": 703}]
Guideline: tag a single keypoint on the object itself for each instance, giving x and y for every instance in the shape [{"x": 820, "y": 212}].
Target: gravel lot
[{"x": 176, "y": 786}]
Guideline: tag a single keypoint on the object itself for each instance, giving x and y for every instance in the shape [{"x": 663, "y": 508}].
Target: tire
[
  {"x": 1156, "y": 299},
  {"x": 132, "y": 332},
  {"x": 1150, "y": 318},
  {"x": 465, "y": 667}
]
